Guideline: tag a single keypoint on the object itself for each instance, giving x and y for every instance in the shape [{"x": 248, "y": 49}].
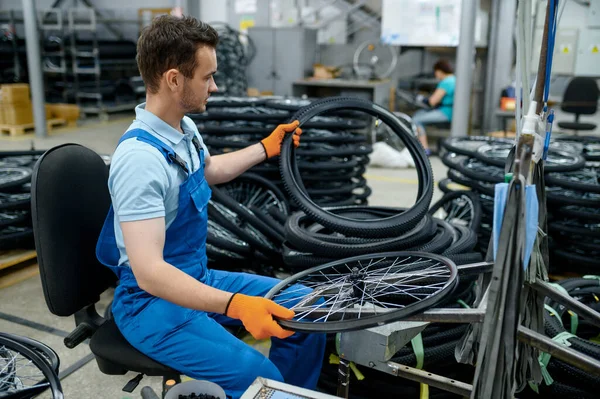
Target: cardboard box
[
  {"x": 325, "y": 72},
  {"x": 15, "y": 93},
  {"x": 68, "y": 112},
  {"x": 17, "y": 114}
]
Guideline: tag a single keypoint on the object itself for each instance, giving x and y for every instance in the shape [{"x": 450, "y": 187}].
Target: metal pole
[
  {"x": 500, "y": 58},
  {"x": 464, "y": 68},
  {"x": 34, "y": 66}
]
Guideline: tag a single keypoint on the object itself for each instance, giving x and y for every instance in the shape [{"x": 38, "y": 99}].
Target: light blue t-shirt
[
  {"x": 142, "y": 184},
  {"x": 447, "y": 84}
]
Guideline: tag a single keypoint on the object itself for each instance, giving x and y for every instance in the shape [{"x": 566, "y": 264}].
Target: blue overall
[{"x": 194, "y": 342}]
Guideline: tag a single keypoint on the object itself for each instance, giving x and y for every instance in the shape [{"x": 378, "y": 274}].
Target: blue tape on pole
[
  {"x": 499, "y": 204},
  {"x": 531, "y": 218}
]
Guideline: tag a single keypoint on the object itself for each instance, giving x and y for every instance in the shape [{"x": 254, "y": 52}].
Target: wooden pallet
[
  {"x": 16, "y": 256},
  {"x": 16, "y": 266},
  {"x": 29, "y": 128}
]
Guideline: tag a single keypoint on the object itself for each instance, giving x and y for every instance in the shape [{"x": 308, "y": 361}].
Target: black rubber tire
[
  {"x": 246, "y": 214},
  {"x": 466, "y": 242},
  {"x": 581, "y": 212},
  {"x": 324, "y": 246},
  {"x": 380, "y": 228},
  {"x": 25, "y": 176}
]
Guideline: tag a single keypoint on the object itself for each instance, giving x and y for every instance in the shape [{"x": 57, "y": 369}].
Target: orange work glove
[
  {"x": 272, "y": 144},
  {"x": 256, "y": 314}
]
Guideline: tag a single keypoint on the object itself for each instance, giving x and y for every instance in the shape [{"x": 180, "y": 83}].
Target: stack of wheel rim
[
  {"x": 572, "y": 191},
  {"x": 15, "y": 199},
  {"x": 332, "y": 157},
  {"x": 318, "y": 234}
]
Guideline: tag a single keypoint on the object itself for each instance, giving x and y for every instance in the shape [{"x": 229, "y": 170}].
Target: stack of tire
[
  {"x": 245, "y": 232},
  {"x": 572, "y": 192},
  {"x": 318, "y": 234},
  {"x": 579, "y": 334},
  {"x": 16, "y": 230},
  {"x": 233, "y": 57},
  {"x": 295, "y": 230},
  {"x": 333, "y": 152}
]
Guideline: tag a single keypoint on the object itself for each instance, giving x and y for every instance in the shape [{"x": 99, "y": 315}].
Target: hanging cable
[{"x": 550, "y": 51}]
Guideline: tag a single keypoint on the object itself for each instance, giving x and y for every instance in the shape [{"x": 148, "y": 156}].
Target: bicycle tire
[
  {"x": 43, "y": 349},
  {"x": 565, "y": 180},
  {"x": 380, "y": 228},
  {"x": 321, "y": 245},
  {"x": 581, "y": 212},
  {"x": 372, "y": 320},
  {"x": 15, "y": 201},
  {"x": 52, "y": 380},
  {"x": 20, "y": 175}
]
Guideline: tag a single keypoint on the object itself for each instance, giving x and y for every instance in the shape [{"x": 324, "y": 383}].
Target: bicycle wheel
[
  {"x": 24, "y": 373},
  {"x": 46, "y": 352},
  {"x": 364, "y": 291},
  {"x": 250, "y": 189},
  {"x": 460, "y": 208}
]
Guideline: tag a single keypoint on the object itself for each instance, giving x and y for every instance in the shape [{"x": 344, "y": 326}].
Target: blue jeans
[{"x": 425, "y": 117}]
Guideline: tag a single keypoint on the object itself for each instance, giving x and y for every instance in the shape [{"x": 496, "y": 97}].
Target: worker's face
[
  {"x": 196, "y": 90},
  {"x": 439, "y": 75}
]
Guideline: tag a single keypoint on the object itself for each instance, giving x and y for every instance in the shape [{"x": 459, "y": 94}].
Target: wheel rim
[{"x": 364, "y": 291}]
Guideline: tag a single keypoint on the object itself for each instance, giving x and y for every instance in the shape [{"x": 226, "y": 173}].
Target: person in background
[{"x": 440, "y": 101}]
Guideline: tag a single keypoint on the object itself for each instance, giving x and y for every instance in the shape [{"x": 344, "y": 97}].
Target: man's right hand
[{"x": 256, "y": 314}]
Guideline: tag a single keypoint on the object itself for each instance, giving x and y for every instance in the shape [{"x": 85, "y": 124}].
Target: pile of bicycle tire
[
  {"x": 283, "y": 227},
  {"x": 317, "y": 234},
  {"x": 16, "y": 231},
  {"x": 332, "y": 156},
  {"x": 572, "y": 177},
  {"x": 233, "y": 57}
]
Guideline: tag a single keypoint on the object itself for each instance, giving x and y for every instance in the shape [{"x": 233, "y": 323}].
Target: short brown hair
[
  {"x": 171, "y": 42},
  {"x": 444, "y": 66}
]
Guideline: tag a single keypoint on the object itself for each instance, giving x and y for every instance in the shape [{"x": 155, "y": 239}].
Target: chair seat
[
  {"x": 114, "y": 353},
  {"x": 439, "y": 125},
  {"x": 576, "y": 126}
]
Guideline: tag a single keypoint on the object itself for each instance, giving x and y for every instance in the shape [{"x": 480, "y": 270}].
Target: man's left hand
[{"x": 272, "y": 144}]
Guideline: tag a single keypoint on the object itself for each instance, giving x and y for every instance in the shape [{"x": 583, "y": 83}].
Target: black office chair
[
  {"x": 69, "y": 202},
  {"x": 580, "y": 98}
]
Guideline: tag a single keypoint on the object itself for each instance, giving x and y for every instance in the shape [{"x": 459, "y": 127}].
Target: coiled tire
[{"x": 380, "y": 228}]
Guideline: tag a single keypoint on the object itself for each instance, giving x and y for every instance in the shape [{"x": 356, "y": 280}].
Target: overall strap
[
  {"x": 199, "y": 149},
  {"x": 167, "y": 151}
]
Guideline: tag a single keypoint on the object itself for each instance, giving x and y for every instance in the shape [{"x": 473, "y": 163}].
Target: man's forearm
[
  {"x": 226, "y": 167},
  {"x": 166, "y": 281}
]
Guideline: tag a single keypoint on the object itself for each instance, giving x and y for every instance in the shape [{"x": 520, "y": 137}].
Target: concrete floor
[{"x": 26, "y": 299}]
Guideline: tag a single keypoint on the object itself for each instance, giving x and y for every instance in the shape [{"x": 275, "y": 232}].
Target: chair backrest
[
  {"x": 69, "y": 202},
  {"x": 581, "y": 96}
]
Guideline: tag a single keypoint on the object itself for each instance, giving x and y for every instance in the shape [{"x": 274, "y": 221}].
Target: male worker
[{"x": 168, "y": 304}]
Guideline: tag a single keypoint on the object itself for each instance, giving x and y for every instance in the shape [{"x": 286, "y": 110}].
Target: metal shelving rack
[
  {"x": 51, "y": 25},
  {"x": 90, "y": 99},
  {"x": 8, "y": 23}
]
